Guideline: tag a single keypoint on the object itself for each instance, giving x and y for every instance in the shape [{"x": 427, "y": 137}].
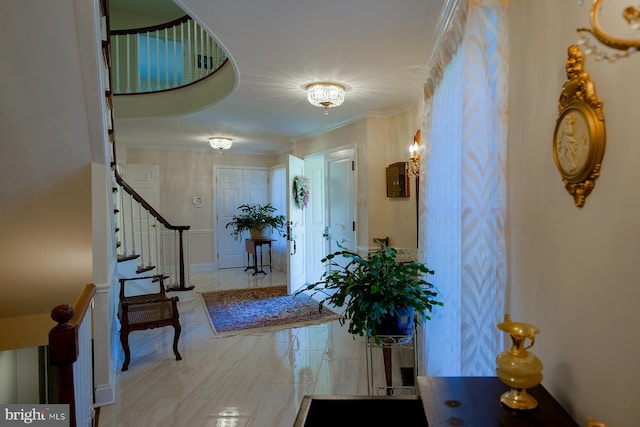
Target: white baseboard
[{"x": 105, "y": 395}]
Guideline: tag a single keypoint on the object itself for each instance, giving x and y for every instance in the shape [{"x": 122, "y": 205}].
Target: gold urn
[{"x": 517, "y": 367}]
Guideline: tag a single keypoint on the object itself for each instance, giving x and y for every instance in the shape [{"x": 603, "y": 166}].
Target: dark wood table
[
  {"x": 252, "y": 246},
  {"x": 475, "y": 401}
]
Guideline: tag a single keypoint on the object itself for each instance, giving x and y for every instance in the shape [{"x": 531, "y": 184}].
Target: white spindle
[
  {"x": 157, "y": 39},
  {"x": 117, "y": 63},
  {"x": 142, "y": 264},
  {"x": 149, "y": 247},
  {"x": 190, "y": 59},
  {"x": 166, "y": 58},
  {"x": 175, "y": 58},
  {"x": 157, "y": 247},
  {"x": 128, "y": 64},
  {"x": 148, "y": 63},
  {"x": 123, "y": 225},
  {"x": 200, "y": 44},
  {"x": 195, "y": 53},
  {"x": 183, "y": 48},
  {"x": 133, "y": 227}
]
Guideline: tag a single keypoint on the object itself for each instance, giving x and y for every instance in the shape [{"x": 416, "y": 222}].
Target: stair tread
[{"x": 143, "y": 269}]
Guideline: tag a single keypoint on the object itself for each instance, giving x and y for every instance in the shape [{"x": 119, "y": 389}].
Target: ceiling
[{"x": 379, "y": 49}]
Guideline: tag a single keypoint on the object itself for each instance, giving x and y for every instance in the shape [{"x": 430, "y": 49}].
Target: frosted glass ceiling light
[
  {"x": 220, "y": 143},
  {"x": 324, "y": 94}
]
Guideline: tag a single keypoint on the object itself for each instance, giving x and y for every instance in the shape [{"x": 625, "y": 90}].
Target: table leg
[{"x": 386, "y": 353}]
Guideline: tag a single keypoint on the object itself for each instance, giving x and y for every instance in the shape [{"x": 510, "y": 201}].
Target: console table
[
  {"x": 252, "y": 246},
  {"x": 475, "y": 401},
  {"x": 443, "y": 401}
]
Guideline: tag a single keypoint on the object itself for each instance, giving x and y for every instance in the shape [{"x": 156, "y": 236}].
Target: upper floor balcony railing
[{"x": 162, "y": 57}]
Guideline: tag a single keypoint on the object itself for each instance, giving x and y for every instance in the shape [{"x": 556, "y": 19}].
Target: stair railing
[
  {"x": 163, "y": 57},
  {"x": 153, "y": 240}
]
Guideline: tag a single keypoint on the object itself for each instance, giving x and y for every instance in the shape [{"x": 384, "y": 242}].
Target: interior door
[
  {"x": 296, "y": 229},
  {"x": 341, "y": 212},
  {"x": 235, "y": 187},
  {"x": 315, "y": 218}
]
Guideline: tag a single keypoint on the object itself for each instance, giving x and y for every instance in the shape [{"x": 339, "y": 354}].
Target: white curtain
[{"x": 464, "y": 197}]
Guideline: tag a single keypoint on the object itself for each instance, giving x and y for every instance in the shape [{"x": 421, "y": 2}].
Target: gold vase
[{"x": 517, "y": 367}]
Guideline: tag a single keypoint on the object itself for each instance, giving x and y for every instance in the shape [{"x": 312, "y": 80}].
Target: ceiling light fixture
[
  {"x": 325, "y": 94},
  {"x": 220, "y": 143}
]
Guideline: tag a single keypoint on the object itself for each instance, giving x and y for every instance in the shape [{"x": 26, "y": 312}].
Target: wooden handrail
[
  {"x": 127, "y": 188},
  {"x": 158, "y": 27}
]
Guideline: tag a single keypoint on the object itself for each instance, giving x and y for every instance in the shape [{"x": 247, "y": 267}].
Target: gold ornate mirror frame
[{"x": 579, "y": 135}]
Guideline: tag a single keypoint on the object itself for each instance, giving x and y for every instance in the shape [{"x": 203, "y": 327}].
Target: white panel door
[
  {"x": 315, "y": 219},
  {"x": 228, "y": 198},
  {"x": 235, "y": 187},
  {"x": 296, "y": 229},
  {"x": 341, "y": 205}
]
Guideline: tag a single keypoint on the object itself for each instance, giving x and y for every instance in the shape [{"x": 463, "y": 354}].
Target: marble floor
[{"x": 256, "y": 380}]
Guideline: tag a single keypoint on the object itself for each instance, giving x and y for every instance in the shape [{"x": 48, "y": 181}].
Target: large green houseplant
[
  {"x": 375, "y": 290},
  {"x": 257, "y": 219}
]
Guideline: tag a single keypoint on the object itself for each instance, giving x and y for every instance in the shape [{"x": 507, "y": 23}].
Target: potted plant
[
  {"x": 258, "y": 219},
  {"x": 380, "y": 295}
]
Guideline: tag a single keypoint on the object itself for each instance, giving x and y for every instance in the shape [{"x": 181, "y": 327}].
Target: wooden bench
[{"x": 147, "y": 311}]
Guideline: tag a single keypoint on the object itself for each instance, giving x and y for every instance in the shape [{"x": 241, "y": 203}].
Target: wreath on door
[{"x": 301, "y": 191}]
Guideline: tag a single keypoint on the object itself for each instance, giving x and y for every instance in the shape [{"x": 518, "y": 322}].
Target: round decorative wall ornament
[
  {"x": 301, "y": 191},
  {"x": 579, "y": 136}
]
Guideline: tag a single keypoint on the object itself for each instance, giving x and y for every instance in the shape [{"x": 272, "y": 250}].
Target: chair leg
[
  {"x": 124, "y": 339},
  {"x": 176, "y": 337}
]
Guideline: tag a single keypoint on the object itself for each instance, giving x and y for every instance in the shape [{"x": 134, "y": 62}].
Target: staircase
[{"x": 146, "y": 243}]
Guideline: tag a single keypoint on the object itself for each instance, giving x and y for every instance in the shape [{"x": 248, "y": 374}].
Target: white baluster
[
  {"x": 133, "y": 228},
  {"x": 158, "y": 80},
  {"x": 175, "y": 58},
  {"x": 189, "y": 60},
  {"x": 166, "y": 58},
  {"x": 141, "y": 240},
  {"x": 123, "y": 224},
  {"x": 117, "y": 63},
  {"x": 128, "y": 64},
  {"x": 149, "y": 247}
]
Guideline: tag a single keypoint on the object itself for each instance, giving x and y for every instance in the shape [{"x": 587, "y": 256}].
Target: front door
[{"x": 296, "y": 229}]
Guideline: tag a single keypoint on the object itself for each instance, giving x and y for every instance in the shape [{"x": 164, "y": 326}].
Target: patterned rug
[{"x": 261, "y": 309}]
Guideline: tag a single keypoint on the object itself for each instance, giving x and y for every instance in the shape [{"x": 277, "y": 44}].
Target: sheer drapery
[{"x": 464, "y": 197}]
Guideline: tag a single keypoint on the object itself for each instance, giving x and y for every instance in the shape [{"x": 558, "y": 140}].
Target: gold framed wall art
[{"x": 579, "y": 135}]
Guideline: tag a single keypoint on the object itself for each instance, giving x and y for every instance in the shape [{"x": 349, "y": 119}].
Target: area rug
[{"x": 261, "y": 309}]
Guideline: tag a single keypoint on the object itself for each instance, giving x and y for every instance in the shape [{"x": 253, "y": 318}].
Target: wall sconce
[
  {"x": 626, "y": 46},
  {"x": 413, "y": 165}
]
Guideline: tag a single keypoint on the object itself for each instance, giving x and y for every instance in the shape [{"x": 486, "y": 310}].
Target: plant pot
[
  {"x": 399, "y": 324},
  {"x": 260, "y": 233}
]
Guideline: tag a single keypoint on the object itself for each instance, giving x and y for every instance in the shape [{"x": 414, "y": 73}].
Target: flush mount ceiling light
[
  {"x": 220, "y": 143},
  {"x": 325, "y": 94}
]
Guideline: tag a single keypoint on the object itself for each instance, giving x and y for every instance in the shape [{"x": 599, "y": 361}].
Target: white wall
[{"x": 573, "y": 271}]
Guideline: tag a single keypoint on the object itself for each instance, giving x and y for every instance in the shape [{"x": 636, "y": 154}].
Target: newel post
[{"x": 63, "y": 352}]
